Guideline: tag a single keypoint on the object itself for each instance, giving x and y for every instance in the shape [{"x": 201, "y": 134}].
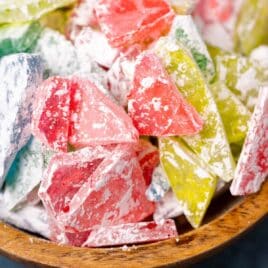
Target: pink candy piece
[
  {"x": 252, "y": 167},
  {"x": 126, "y": 22},
  {"x": 131, "y": 233},
  {"x": 50, "y": 121},
  {"x": 155, "y": 104},
  {"x": 96, "y": 120},
  {"x": 149, "y": 158},
  {"x": 94, "y": 186}
]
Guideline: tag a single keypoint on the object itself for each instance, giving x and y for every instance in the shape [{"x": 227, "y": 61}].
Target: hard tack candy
[
  {"x": 148, "y": 156},
  {"x": 252, "y": 167},
  {"x": 186, "y": 32},
  {"x": 251, "y": 26},
  {"x": 59, "y": 54},
  {"x": 211, "y": 144},
  {"x": 126, "y": 22},
  {"x": 191, "y": 182},
  {"x": 131, "y": 233},
  {"x": 94, "y": 186},
  {"x": 155, "y": 105},
  {"x": 25, "y": 10},
  {"x": 18, "y": 38},
  {"x": 159, "y": 185},
  {"x": 95, "y": 119},
  {"x": 20, "y": 75},
  {"x": 92, "y": 45},
  {"x": 50, "y": 123}
]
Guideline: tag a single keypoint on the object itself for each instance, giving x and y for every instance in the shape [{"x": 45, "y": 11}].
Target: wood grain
[{"x": 239, "y": 216}]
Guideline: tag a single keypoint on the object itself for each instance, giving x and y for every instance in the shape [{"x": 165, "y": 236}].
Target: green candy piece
[
  {"x": 251, "y": 27},
  {"x": 19, "y": 38},
  {"x": 191, "y": 183},
  {"x": 211, "y": 144},
  {"x": 242, "y": 76},
  {"x": 234, "y": 113},
  {"x": 25, "y": 10},
  {"x": 186, "y": 32}
]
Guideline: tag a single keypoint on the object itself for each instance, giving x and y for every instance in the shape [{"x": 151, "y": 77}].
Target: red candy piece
[
  {"x": 50, "y": 120},
  {"x": 252, "y": 167},
  {"x": 149, "y": 159},
  {"x": 96, "y": 120},
  {"x": 93, "y": 186},
  {"x": 126, "y": 22},
  {"x": 156, "y": 106},
  {"x": 131, "y": 233}
]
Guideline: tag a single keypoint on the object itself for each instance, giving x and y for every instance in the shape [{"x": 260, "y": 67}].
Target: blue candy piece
[{"x": 20, "y": 75}]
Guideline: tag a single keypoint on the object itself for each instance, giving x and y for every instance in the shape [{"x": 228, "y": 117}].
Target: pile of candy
[{"x": 118, "y": 115}]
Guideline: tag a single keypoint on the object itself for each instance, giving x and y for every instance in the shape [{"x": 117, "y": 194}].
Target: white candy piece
[
  {"x": 20, "y": 75},
  {"x": 159, "y": 185},
  {"x": 58, "y": 54},
  {"x": 186, "y": 32},
  {"x": 30, "y": 218},
  {"x": 260, "y": 56},
  {"x": 25, "y": 175}
]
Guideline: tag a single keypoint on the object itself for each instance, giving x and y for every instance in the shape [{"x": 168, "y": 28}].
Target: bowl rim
[{"x": 192, "y": 245}]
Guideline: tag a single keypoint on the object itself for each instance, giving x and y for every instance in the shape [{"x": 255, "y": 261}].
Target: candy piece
[
  {"x": 241, "y": 76},
  {"x": 50, "y": 121},
  {"x": 95, "y": 186},
  {"x": 83, "y": 15},
  {"x": 193, "y": 186},
  {"x": 148, "y": 156},
  {"x": 58, "y": 53},
  {"x": 25, "y": 10},
  {"x": 185, "y": 31},
  {"x": 126, "y": 22},
  {"x": 24, "y": 175},
  {"x": 168, "y": 207},
  {"x": 121, "y": 75},
  {"x": 29, "y": 218},
  {"x": 56, "y": 19},
  {"x": 183, "y": 7},
  {"x": 92, "y": 45},
  {"x": 155, "y": 105},
  {"x": 18, "y": 38},
  {"x": 131, "y": 233},
  {"x": 234, "y": 114},
  {"x": 252, "y": 167},
  {"x": 251, "y": 26},
  {"x": 260, "y": 56},
  {"x": 210, "y": 144},
  {"x": 159, "y": 185},
  {"x": 95, "y": 119},
  {"x": 20, "y": 74},
  {"x": 216, "y": 21}
]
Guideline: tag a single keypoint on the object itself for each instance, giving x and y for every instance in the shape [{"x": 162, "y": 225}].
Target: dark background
[{"x": 249, "y": 251}]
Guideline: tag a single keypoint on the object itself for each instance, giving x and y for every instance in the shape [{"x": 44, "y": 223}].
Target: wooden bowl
[{"x": 227, "y": 218}]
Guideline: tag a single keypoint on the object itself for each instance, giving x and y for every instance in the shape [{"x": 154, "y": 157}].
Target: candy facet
[
  {"x": 251, "y": 26},
  {"x": 26, "y": 10},
  {"x": 95, "y": 186},
  {"x": 19, "y": 38},
  {"x": 252, "y": 167},
  {"x": 211, "y": 143},
  {"x": 156, "y": 106},
  {"x": 127, "y": 22},
  {"x": 20, "y": 74},
  {"x": 24, "y": 175},
  {"x": 95, "y": 119},
  {"x": 185, "y": 31},
  {"x": 58, "y": 54},
  {"x": 50, "y": 123},
  {"x": 234, "y": 114},
  {"x": 183, "y": 7},
  {"x": 192, "y": 184},
  {"x": 131, "y": 233}
]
